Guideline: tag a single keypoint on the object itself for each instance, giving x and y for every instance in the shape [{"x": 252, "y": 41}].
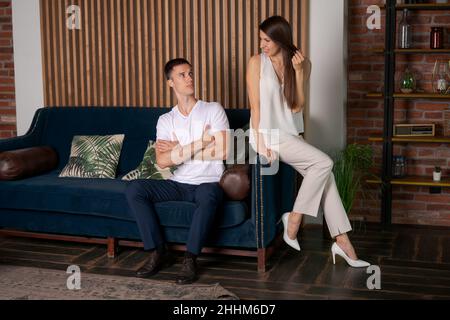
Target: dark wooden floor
[{"x": 414, "y": 262}]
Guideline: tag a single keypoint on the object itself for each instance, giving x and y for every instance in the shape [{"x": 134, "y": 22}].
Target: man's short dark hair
[{"x": 172, "y": 64}]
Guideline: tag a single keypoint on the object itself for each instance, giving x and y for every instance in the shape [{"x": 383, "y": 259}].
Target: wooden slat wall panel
[{"x": 118, "y": 55}]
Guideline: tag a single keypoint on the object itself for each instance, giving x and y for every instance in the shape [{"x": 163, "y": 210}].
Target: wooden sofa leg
[
  {"x": 112, "y": 247},
  {"x": 262, "y": 257}
]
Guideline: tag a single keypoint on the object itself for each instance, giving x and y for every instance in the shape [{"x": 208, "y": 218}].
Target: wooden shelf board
[
  {"x": 420, "y": 181},
  {"x": 399, "y": 95},
  {"x": 424, "y": 6},
  {"x": 436, "y": 51},
  {"x": 414, "y": 181},
  {"x": 377, "y": 50},
  {"x": 373, "y": 181},
  {"x": 414, "y": 139},
  {"x": 420, "y": 6},
  {"x": 422, "y": 95},
  {"x": 413, "y": 51},
  {"x": 374, "y": 95}
]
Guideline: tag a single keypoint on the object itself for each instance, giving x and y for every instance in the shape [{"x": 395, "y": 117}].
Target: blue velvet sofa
[{"x": 95, "y": 210}]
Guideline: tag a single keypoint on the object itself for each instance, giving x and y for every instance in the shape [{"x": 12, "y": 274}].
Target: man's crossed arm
[{"x": 208, "y": 148}]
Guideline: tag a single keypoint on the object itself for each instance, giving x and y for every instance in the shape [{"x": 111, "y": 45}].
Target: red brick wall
[
  {"x": 7, "y": 89},
  {"x": 412, "y": 205}
]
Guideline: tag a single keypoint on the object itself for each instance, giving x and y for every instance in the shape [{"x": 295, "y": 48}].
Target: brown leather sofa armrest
[
  {"x": 235, "y": 182},
  {"x": 24, "y": 163}
]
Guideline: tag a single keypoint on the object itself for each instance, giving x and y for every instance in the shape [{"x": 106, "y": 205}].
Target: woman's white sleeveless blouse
[{"x": 274, "y": 111}]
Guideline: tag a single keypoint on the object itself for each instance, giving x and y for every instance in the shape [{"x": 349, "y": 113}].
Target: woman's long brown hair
[{"x": 280, "y": 31}]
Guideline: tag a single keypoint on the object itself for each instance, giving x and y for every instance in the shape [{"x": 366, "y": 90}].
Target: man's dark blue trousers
[{"x": 142, "y": 194}]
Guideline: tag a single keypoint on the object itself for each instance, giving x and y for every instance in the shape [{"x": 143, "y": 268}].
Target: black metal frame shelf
[
  {"x": 389, "y": 96},
  {"x": 388, "y": 132}
]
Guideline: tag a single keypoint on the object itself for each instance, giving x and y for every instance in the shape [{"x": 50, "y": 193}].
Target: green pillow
[
  {"x": 94, "y": 157},
  {"x": 148, "y": 169}
]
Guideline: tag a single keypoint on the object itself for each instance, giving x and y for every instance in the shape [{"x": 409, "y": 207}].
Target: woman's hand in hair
[{"x": 298, "y": 61}]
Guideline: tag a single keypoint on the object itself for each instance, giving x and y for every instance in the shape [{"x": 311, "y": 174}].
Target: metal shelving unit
[{"x": 389, "y": 95}]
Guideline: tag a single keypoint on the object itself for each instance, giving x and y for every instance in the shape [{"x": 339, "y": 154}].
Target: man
[{"x": 192, "y": 136}]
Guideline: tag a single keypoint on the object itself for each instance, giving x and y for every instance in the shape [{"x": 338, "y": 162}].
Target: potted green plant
[
  {"x": 408, "y": 84},
  {"x": 351, "y": 166}
]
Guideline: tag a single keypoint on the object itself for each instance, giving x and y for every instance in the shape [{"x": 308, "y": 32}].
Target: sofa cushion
[
  {"x": 235, "y": 182},
  {"x": 94, "y": 157},
  {"x": 28, "y": 162},
  {"x": 148, "y": 169},
  {"x": 100, "y": 197}
]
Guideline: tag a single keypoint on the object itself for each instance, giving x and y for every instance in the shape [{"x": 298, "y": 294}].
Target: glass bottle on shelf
[
  {"x": 399, "y": 167},
  {"x": 396, "y": 169},
  {"x": 404, "y": 32},
  {"x": 437, "y": 38}
]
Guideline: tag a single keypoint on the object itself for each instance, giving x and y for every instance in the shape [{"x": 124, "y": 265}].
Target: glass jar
[
  {"x": 441, "y": 77},
  {"x": 399, "y": 167},
  {"x": 437, "y": 38}
]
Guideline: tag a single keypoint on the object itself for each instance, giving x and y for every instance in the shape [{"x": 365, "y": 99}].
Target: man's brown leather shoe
[
  {"x": 152, "y": 266},
  {"x": 188, "y": 273}
]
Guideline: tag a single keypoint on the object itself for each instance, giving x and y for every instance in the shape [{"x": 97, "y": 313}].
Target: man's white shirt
[{"x": 174, "y": 126}]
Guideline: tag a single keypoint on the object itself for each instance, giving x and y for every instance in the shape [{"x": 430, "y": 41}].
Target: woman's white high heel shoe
[
  {"x": 336, "y": 250},
  {"x": 293, "y": 243}
]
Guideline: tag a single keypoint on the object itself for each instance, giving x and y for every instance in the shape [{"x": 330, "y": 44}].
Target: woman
[{"x": 275, "y": 81}]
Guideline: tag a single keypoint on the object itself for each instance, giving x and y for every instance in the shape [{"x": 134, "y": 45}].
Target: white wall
[
  {"x": 27, "y": 61},
  {"x": 326, "y": 127},
  {"x": 326, "y": 119}
]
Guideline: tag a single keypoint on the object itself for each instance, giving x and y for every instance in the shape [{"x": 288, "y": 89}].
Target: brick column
[{"x": 8, "y": 126}]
